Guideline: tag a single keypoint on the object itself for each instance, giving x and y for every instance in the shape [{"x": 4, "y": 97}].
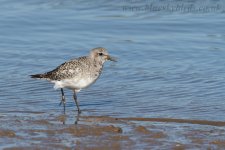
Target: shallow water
[{"x": 170, "y": 61}]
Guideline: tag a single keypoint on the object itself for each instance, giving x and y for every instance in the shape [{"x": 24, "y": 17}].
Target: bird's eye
[{"x": 100, "y": 54}]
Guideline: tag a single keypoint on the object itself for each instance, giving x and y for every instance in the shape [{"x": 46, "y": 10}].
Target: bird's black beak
[{"x": 111, "y": 58}]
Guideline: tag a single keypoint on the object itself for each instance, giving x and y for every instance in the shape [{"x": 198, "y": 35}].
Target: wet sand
[{"x": 47, "y": 131}]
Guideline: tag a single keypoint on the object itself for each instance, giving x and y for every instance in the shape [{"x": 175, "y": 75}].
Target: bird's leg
[
  {"x": 75, "y": 99},
  {"x": 63, "y": 100},
  {"x": 77, "y": 118}
]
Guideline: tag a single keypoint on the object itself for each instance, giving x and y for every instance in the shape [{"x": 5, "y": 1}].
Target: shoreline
[{"x": 103, "y": 132}]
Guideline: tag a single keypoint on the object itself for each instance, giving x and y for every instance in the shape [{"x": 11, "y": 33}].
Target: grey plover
[{"x": 78, "y": 73}]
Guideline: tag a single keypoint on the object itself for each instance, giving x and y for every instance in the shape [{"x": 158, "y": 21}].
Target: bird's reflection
[{"x": 64, "y": 118}]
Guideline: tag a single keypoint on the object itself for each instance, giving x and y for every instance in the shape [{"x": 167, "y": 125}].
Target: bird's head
[{"x": 100, "y": 54}]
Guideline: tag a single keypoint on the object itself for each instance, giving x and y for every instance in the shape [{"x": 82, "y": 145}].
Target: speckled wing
[{"x": 67, "y": 70}]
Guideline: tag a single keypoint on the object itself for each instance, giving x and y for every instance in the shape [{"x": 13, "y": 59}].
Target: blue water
[{"x": 170, "y": 63}]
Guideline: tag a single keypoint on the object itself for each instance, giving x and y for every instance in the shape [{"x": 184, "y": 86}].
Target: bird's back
[{"x": 67, "y": 70}]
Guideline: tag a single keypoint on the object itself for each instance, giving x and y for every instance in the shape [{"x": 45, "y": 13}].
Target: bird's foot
[{"x": 79, "y": 111}]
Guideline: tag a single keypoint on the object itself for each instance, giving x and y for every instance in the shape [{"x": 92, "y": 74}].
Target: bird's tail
[{"x": 40, "y": 76}]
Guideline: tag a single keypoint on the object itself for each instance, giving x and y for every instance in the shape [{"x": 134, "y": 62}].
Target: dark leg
[
  {"x": 77, "y": 118},
  {"x": 75, "y": 99},
  {"x": 63, "y": 100}
]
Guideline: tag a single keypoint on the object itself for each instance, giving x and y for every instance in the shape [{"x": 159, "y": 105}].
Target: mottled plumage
[{"x": 78, "y": 73}]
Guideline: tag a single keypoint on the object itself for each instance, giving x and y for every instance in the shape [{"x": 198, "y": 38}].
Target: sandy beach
[{"x": 38, "y": 131}]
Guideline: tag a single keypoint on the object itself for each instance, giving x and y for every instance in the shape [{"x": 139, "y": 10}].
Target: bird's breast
[
  {"x": 84, "y": 82},
  {"x": 82, "y": 79}
]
